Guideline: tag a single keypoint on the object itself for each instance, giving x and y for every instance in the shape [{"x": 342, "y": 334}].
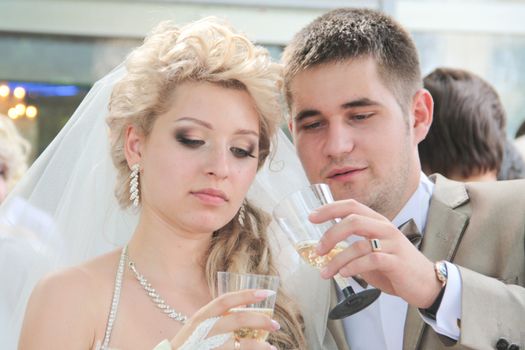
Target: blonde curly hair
[
  {"x": 14, "y": 151},
  {"x": 208, "y": 50}
]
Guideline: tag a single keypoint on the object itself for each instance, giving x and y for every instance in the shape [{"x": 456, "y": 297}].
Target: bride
[{"x": 191, "y": 119}]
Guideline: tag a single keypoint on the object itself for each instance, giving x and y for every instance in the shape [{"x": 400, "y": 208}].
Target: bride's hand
[{"x": 229, "y": 322}]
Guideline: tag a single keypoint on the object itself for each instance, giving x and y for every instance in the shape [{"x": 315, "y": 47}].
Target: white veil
[{"x": 64, "y": 211}]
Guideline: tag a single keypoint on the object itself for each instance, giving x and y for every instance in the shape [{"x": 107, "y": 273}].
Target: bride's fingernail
[
  {"x": 273, "y": 348},
  {"x": 263, "y": 293},
  {"x": 275, "y": 325}
]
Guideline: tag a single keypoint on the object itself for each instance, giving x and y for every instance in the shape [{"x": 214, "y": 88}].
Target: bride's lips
[
  {"x": 344, "y": 174},
  {"x": 211, "y": 196}
]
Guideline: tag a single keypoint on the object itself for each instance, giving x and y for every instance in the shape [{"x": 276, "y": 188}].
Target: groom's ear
[
  {"x": 290, "y": 127},
  {"x": 132, "y": 145},
  {"x": 421, "y": 114}
]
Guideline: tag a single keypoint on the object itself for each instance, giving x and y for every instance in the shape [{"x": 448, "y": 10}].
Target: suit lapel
[
  {"x": 336, "y": 326},
  {"x": 444, "y": 228}
]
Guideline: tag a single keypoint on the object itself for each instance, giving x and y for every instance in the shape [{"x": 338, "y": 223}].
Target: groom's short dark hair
[{"x": 350, "y": 33}]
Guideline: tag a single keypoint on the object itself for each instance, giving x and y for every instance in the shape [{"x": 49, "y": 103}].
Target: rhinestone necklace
[{"x": 155, "y": 297}]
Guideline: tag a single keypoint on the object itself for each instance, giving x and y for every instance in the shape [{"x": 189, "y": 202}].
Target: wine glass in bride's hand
[
  {"x": 292, "y": 216},
  {"x": 232, "y": 282}
]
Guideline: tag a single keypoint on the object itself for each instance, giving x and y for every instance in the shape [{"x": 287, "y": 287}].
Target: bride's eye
[
  {"x": 189, "y": 142},
  {"x": 241, "y": 153}
]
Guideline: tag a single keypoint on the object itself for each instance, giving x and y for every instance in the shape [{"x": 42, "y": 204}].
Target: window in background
[
  {"x": 498, "y": 58},
  {"x": 41, "y": 110},
  {"x": 55, "y": 72}
]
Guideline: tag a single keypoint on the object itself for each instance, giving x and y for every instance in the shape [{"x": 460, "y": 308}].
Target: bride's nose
[{"x": 218, "y": 163}]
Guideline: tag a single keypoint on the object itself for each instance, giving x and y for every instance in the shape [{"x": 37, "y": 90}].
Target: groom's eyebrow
[
  {"x": 360, "y": 102},
  {"x": 307, "y": 113}
]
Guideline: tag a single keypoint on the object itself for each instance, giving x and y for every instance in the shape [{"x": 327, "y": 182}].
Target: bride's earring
[
  {"x": 134, "y": 196},
  {"x": 242, "y": 214}
]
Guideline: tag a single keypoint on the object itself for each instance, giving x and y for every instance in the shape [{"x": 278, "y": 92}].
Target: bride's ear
[{"x": 132, "y": 145}]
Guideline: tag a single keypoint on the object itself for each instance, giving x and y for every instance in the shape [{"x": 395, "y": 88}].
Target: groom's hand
[{"x": 397, "y": 267}]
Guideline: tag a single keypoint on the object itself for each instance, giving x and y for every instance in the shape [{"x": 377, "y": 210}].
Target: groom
[{"x": 358, "y": 112}]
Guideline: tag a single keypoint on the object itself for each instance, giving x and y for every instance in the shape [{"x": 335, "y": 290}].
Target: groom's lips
[{"x": 344, "y": 174}]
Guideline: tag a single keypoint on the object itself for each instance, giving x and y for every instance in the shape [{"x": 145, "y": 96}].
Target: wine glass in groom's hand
[{"x": 292, "y": 216}]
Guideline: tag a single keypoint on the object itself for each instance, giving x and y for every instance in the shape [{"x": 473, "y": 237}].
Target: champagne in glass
[
  {"x": 306, "y": 250},
  {"x": 257, "y": 334},
  {"x": 292, "y": 216},
  {"x": 231, "y": 282}
]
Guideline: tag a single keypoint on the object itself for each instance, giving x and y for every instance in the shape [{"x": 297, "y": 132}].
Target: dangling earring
[
  {"x": 242, "y": 214},
  {"x": 134, "y": 185}
]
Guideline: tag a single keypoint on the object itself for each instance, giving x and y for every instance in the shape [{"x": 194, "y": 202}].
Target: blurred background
[{"x": 52, "y": 51}]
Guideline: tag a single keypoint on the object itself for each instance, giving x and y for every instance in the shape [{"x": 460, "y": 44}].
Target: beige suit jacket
[{"x": 480, "y": 227}]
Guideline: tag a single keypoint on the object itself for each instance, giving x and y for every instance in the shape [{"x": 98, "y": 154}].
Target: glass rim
[
  {"x": 252, "y": 275},
  {"x": 297, "y": 193},
  {"x": 305, "y": 188}
]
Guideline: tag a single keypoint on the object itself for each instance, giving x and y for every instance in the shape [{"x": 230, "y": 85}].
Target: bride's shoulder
[
  {"x": 78, "y": 281},
  {"x": 82, "y": 287},
  {"x": 77, "y": 297}
]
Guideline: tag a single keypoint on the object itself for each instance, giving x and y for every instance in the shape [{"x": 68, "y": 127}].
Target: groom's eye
[
  {"x": 361, "y": 116},
  {"x": 311, "y": 126}
]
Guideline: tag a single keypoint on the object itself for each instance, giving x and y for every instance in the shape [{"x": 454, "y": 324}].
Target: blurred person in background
[
  {"x": 21, "y": 227},
  {"x": 513, "y": 163},
  {"x": 519, "y": 141},
  {"x": 14, "y": 150},
  {"x": 521, "y": 130},
  {"x": 466, "y": 141}
]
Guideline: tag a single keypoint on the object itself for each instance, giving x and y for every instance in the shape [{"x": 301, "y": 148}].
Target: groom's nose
[{"x": 339, "y": 140}]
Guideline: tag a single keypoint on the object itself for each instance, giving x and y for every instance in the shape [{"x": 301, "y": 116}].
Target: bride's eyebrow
[
  {"x": 209, "y": 126},
  {"x": 246, "y": 132},
  {"x": 195, "y": 120}
]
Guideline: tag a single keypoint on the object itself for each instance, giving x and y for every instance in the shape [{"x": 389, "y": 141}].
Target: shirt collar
[{"x": 417, "y": 206}]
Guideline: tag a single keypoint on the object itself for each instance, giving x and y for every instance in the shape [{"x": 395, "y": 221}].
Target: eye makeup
[
  {"x": 243, "y": 153},
  {"x": 182, "y": 137}
]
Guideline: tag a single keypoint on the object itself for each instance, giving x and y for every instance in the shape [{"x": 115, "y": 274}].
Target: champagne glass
[
  {"x": 232, "y": 282},
  {"x": 292, "y": 216}
]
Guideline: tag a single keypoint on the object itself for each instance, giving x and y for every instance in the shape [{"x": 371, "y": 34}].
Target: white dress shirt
[{"x": 381, "y": 324}]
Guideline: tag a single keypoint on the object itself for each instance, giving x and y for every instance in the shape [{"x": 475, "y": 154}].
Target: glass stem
[{"x": 341, "y": 281}]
